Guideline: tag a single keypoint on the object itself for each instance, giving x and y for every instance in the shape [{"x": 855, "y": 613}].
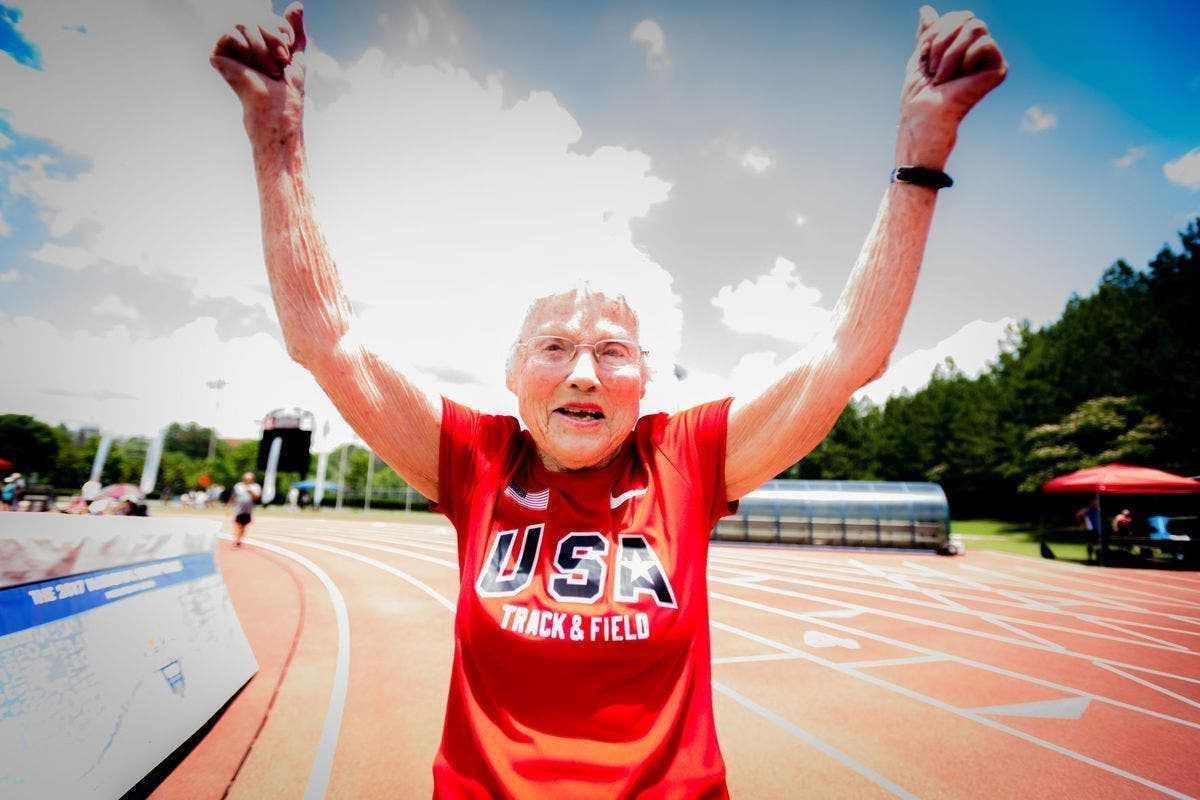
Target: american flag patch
[{"x": 534, "y": 501}]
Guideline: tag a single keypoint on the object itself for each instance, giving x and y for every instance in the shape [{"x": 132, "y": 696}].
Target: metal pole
[
  {"x": 341, "y": 478},
  {"x": 370, "y": 477},
  {"x": 217, "y": 386},
  {"x": 407, "y": 498}
]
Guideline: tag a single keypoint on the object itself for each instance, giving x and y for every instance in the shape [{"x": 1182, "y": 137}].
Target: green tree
[
  {"x": 1098, "y": 431},
  {"x": 189, "y": 440},
  {"x": 30, "y": 445}
]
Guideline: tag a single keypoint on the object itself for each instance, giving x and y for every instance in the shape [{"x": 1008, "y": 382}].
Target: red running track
[{"x": 837, "y": 673}]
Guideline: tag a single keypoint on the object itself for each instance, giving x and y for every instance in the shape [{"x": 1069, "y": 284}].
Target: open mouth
[{"x": 581, "y": 414}]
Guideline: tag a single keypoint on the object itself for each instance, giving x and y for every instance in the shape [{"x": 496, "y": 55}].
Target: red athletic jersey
[{"x": 581, "y": 657}]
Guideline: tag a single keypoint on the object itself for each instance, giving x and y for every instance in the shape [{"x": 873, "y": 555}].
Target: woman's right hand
[{"x": 264, "y": 65}]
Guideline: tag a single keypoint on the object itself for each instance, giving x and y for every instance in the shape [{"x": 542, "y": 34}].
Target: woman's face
[{"x": 578, "y": 413}]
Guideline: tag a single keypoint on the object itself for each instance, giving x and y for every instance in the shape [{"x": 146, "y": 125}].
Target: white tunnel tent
[{"x": 842, "y": 514}]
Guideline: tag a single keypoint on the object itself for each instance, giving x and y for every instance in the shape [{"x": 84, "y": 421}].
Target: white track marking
[
  {"x": 1123, "y": 629},
  {"x": 405, "y": 540},
  {"x": 813, "y": 741},
  {"x": 829, "y": 587},
  {"x": 1058, "y": 589},
  {"x": 941, "y": 625},
  {"x": 1020, "y": 599},
  {"x": 318, "y": 776},
  {"x": 1148, "y": 684},
  {"x": 1110, "y": 575},
  {"x": 957, "y": 659},
  {"x": 1024, "y": 603},
  {"x": 404, "y": 576},
  {"x": 1109, "y": 583},
  {"x": 893, "y": 662},
  {"x": 904, "y": 583},
  {"x": 1120, "y": 626},
  {"x": 441, "y": 562},
  {"x": 1157, "y": 672},
  {"x": 967, "y": 714},
  {"x": 754, "y": 637},
  {"x": 760, "y": 657}
]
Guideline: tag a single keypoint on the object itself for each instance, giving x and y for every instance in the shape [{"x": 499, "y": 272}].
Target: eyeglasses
[{"x": 555, "y": 351}]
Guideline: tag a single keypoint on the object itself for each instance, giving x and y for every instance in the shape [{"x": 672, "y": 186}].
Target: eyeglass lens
[{"x": 556, "y": 350}]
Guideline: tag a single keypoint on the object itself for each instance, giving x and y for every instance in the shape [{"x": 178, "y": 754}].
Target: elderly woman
[{"x": 581, "y": 660}]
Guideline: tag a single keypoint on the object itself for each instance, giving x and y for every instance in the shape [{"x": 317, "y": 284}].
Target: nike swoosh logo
[{"x": 613, "y": 502}]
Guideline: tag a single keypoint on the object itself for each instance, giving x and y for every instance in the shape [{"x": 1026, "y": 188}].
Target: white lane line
[
  {"x": 961, "y": 580},
  {"x": 441, "y": 562},
  {"x": 929, "y": 651},
  {"x": 754, "y": 637},
  {"x": 1000, "y": 623},
  {"x": 1111, "y": 582},
  {"x": 833, "y": 587},
  {"x": 760, "y": 657},
  {"x": 822, "y": 570},
  {"x": 973, "y": 717},
  {"x": 1177, "y": 581},
  {"x": 1159, "y": 673},
  {"x": 318, "y": 776},
  {"x": 404, "y": 576},
  {"x": 1148, "y": 684},
  {"x": 1010, "y": 623},
  {"x": 447, "y": 549},
  {"x": 784, "y": 574},
  {"x": 904, "y": 583},
  {"x": 1059, "y": 590},
  {"x": 1125, "y": 630},
  {"x": 813, "y": 741},
  {"x": 893, "y": 662}
]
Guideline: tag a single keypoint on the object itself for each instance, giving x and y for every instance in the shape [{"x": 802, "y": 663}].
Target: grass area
[
  {"x": 1020, "y": 538},
  {"x": 1067, "y": 544}
]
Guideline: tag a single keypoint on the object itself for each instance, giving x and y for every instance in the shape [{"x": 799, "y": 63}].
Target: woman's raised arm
[
  {"x": 955, "y": 63},
  {"x": 264, "y": 65}
]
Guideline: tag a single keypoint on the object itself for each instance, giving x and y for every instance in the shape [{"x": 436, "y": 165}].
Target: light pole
[{"x": 217, "y": 385}]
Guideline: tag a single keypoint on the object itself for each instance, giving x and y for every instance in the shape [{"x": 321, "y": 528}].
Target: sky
[{"x": 720, "y": 165}]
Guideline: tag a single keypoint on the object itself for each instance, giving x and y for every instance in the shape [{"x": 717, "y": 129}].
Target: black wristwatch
[{"x": 922, "y": 176}]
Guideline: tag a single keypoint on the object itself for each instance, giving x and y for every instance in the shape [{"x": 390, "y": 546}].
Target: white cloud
[
  {"x": 776, "y": 304},
  {"x": 418, "y": 32},
  {"x": 649, "y": 34},
  {"x": 5, "y": 228},
  {"x": 971, "y": 347},
  {"x": 112, "y": 306},
  {"x": 1185, "y": 170},
  {"x": 1131, "y": 157},
  {"x": 4, "y": 141},
  {"x": 800, "y": 220},
  {"x": 756, "y": 161},
  {"x": 70, "y": 258},
  {"x": 11, "y": 276},
  {"x": 1036, "y": 119},
  {"x": 116, "y": 380},
  {"x": 442, "y": 239}
]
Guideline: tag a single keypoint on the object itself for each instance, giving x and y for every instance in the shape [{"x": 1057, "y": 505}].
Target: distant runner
[{"x": 241, "y": 502}]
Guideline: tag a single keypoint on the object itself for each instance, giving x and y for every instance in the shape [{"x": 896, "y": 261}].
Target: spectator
[
  {"x": 1122, "y": 524},
  {"x": 14, "y": 489}
]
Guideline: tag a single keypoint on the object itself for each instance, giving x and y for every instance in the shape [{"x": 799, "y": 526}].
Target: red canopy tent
[
  {"x": 1119, "y": 479},
  {"x": 1122, "y": 479}
]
